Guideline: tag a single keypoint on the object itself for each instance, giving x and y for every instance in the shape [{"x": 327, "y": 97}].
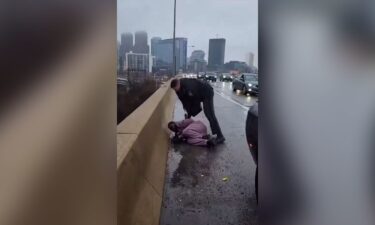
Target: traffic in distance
[{"x": 246, "y": 83}]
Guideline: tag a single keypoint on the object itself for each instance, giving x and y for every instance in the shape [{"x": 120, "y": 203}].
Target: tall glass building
[
  {"x": 164, "y": 53},
  {"x": 126, "y": 43},
  {"x": 216, "y": 53},
  {"x": 154, "y": 43},
  {"x": 140, "y": 43}
]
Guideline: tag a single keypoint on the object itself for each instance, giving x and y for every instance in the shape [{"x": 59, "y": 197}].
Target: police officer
[{"x": 192, "y": 92}]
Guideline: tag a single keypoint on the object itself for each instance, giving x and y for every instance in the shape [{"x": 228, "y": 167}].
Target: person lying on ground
[
  {"x": 191, "y": 132},
  {"x": 193, "y": 92}
]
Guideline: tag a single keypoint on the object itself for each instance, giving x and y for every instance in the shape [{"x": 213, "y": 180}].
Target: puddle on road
[{"x": 187, "y": 165}]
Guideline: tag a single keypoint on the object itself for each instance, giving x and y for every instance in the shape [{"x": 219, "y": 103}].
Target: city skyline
[
  {"x": 198, "y": 21},
  {"x": 189, "y": 53}
]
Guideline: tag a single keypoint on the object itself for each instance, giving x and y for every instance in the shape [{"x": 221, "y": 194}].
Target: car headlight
[
  {"x": 206, "y": 76},
  {"x": 250, "y": 85},
  {"x": 224, "y": 76}
]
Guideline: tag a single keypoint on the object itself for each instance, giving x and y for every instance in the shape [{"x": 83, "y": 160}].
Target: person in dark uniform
[{"x": 192, "y": 92}]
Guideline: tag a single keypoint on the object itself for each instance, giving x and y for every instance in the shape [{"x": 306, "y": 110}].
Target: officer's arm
[
  {"x": 186, "y": 105},
  {"x": 185, "y": 97}
]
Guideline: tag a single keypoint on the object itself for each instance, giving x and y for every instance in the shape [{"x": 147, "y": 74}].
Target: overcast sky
[{"x": 197, "y": 20}]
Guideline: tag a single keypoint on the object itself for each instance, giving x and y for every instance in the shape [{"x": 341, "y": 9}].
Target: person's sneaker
[{"x": 220, "y": 140}]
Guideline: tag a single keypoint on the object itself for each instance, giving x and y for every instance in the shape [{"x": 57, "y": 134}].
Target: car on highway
[
  {"x": 201, "y": 75},
  {"x": 211, "y": 77},
  {"x": 193, "y": 75},
  {"x": 189, "y": 75},
  {"x": 247, "y": 83},
  {"x": 226, "y": 77}
]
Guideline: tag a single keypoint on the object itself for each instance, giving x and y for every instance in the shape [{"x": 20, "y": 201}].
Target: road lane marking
[{"x": 231, "y": 100}]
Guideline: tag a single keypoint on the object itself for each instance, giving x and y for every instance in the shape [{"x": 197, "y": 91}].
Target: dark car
[
  {"x": 211, "y": 77},
  {"x": 247, "y": 83},
  {"x": 226, "y": 77}
]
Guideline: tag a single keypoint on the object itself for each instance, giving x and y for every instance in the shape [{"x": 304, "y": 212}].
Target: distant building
[
  {"x": 154, "y": 42},
  {"x": 150, "y": 62},
  {"x": 250, "y": 59},
  {"x": 237, "y": 66},
  {"x": 140, "y": 43},
  {"x": 118, "y": 57},
  {"x": 164, "y": 54},
  {"x": 153, "y": 61},
  {"x": 197, "y": 66},
  {"x": 137, "y": 62},
  {"x": 120, "y": 64},
  {"x": 126, "y": 44},
  {"x": 118, "y": 47},
  {"x": 216, "y": 53},
  {"x": 197, "y": 63},
  {"x": 197, "y": 55}
]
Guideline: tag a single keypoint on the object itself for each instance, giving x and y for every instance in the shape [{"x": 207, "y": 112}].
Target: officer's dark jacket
[{"x": 192, "y": 92}]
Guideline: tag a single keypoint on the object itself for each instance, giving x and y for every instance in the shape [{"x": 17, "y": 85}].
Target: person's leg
[
  {"x": 209, "y": 111},
  {"x": 197, "y": 141}
]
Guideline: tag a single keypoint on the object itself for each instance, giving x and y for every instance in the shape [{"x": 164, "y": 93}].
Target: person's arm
[
  {"x": 177, "y": 139},
  {"x": 186, "y": 104},
  {"x": 188, "y": 97},
  {"x": 187, "y": 107}
]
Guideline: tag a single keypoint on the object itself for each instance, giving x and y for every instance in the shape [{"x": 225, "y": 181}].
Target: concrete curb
[{"x": 142, "y": 149}]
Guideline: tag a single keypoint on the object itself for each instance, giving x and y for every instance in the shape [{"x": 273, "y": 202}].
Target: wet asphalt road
[
  {"x": 225, "y": 90},
  {"x": 194, "y": 192}
]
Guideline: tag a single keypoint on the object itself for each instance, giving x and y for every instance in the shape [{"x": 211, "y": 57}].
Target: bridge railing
[{"x": 142, "y": 147}]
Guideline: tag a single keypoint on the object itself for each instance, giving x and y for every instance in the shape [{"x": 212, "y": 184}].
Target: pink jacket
[{"x": 192, "y": 131}]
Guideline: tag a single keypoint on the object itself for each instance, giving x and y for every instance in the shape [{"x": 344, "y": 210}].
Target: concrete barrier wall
[{"x": 142, "y": 147}]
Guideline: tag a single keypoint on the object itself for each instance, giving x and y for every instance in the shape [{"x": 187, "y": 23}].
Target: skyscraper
[
  {"x": 119, "y": 58},
  {"x": 126, "y": 46},
  {"x": 164, "y": 53},
  {"x": 197, "y": 55},
  {"x": 250, "y": 59},
  {"x": 197, "y": 63},
  {"x": 154, "y": 42},
  {"x": 126, "y": 43},
  {"x": 216, "y": 53},
  {"x": 140, "y": 43}
]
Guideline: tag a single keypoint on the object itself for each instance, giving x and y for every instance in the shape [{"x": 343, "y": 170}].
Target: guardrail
[{"x": 142, "y": 148}]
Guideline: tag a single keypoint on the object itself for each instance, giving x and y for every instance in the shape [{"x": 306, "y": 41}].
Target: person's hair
[
  {"x": 170, "y": 124},
  {"x": 174, "y": 83}
]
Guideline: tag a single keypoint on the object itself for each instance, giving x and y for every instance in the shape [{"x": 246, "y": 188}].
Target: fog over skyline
[{"x": 198, "y": 21}]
